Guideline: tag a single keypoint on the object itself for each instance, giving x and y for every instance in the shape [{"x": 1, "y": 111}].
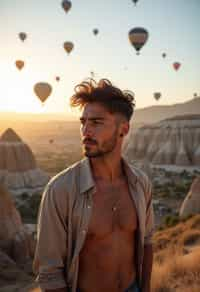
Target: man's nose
[{"x": 86, "y": 130}]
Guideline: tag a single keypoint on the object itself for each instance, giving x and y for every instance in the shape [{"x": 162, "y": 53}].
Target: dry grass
[
  {"x": 178, "y": 272},
  {"x": 195, "y": 223},
  {"x": 177, "y": 258}
]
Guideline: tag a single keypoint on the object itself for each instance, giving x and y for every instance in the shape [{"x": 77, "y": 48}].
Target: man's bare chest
[{"x": 113, "y": 210}]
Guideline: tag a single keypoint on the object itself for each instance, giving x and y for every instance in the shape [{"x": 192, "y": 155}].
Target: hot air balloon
[
  {"x": 57, "y": 78},
  {"x": 195, "y": 95},
  {"x": 176, "y": 65},
  {"x": 95, "y": 31},
  {"x": 157, "y": 95},
  {"x": 66, "y": 5},
  {"x": 19, "y": 64},
  {"x": 164, "y": 55},
  {"x": 68, "y": 46},
  {"x": 22, "y": 36},
  {"x": 135, "y": 1},
  {"x": 92, "y": 74},
  {"x": 42, "y": 90},
  {"x": 138, "y": 37}
]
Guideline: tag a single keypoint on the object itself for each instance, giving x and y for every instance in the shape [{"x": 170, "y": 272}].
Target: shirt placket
[
  {"x": 81, "y": 236},
  {"x": 134, "y": 196}
]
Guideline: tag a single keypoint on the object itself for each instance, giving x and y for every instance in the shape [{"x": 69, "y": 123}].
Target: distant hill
[
  {"x": 160, "y": 112},
  {"x": 141, "y": 116},
  {"x": 42, "y": 117}
]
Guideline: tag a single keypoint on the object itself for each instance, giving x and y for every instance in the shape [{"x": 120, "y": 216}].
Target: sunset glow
[{"x": 108, "y": 54}]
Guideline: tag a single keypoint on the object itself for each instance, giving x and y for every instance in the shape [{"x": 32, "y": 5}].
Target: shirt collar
[{"x": 86, "y": 178}]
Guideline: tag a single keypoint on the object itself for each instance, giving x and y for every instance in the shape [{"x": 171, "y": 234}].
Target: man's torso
[{"x": 107, "y": 260}]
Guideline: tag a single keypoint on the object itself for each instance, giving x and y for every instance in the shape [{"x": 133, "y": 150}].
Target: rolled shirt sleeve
[
  {"x": 51, "y": 249},
  {"x": 150, "y": 225}
]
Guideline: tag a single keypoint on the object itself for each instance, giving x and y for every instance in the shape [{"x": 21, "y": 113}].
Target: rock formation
[
  {"x": 191, "y": 203},
  {"x": 174, "y": 141},
  {"x": 18, "y": 169},
  {"x": 13, "y": 237}
]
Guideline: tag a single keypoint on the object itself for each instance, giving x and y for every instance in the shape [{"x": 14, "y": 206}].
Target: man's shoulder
[
  {"x": 64, "y": 179},
  {"x": 141, "y": 177},
  {"x": 139, "y": 173}
]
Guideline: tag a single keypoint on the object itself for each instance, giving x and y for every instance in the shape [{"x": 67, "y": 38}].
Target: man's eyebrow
[{"x": 93, "y": 118}]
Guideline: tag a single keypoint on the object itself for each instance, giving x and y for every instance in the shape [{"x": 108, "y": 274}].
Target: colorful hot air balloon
[
  {"x": 157, "y": 95},
  {"x": 19, "y": 64},
  {"x": 66, "y": 5},
  {"x": 68, "y": 46},
  {"x": 22, "y": 36},
  {"x": 176, "y": 65},
  {"x": 42, "y": 90},
  {"x": 135, "y": 1},
  {"x": 57, "y": 78},
  {"x": 95, "y": 31},
  {"x": 138, "y": 37},
  {"x": 164, "y": 55}
]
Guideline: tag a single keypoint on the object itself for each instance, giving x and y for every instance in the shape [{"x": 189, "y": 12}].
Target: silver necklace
[{"x": 115, "y": 206}]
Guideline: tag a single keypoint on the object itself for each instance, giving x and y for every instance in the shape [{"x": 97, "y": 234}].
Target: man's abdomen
[{"x": 107, "y": 264}]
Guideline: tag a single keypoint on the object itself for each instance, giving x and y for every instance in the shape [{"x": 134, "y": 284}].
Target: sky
[{"x": 173, "y": 27}]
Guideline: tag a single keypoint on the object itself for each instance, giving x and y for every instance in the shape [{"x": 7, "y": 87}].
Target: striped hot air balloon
[{"x": 138, "y": 36}]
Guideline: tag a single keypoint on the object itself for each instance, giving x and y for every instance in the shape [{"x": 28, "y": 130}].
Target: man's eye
[{"x": 97, "y": 123}]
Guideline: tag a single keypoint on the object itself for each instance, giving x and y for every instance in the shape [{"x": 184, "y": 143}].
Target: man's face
[{"x": 99, "y": 130}]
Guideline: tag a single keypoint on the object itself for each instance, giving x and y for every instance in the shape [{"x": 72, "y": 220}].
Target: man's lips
[{"x": 88, "y": 142}]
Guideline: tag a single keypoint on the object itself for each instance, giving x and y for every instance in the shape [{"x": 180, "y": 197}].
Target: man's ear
[{"x": 124, "y": 129}]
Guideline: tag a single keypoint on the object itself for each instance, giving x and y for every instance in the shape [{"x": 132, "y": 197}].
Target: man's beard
[{"x": 107, "y": 147}]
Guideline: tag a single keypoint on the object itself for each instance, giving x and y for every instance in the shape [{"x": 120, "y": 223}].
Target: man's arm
[
  {"x": 51, "y": 249},
  {"x": 147, "y": 268},
  {"x": 148, "y": 248}
]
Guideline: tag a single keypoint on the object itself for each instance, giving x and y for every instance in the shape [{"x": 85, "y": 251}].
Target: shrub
[
  {"x": 29, "y": 210},
  {"x": 171, "y": 220},
  {"x": 24, "y": 196}
]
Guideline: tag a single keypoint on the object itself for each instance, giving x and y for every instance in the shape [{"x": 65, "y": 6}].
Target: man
[{"x": 96, "y": 217}]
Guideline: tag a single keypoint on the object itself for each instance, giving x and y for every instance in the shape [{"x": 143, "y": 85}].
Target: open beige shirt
[{"x": 64, "y": 218}]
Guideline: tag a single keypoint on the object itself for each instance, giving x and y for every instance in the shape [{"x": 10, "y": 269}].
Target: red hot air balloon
[{"x": 176, "y": 65}]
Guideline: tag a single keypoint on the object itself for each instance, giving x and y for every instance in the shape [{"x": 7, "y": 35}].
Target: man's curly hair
[{"x": 112, "y": 98}]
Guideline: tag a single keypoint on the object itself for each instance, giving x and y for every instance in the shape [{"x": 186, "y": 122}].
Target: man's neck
[{"x": 108, "y": 170}]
